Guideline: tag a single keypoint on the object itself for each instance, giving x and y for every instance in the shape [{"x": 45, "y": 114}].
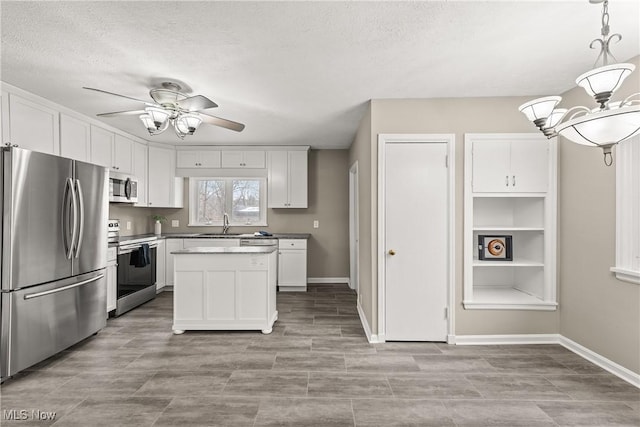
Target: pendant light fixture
[{"x": 603, "y": 126}]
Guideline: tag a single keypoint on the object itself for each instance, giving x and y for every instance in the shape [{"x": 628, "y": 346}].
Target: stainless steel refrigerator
[{"x": 54, "y": 243}]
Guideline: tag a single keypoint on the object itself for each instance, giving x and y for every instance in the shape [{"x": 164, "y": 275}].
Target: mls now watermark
[{"x": 25, "y": 414}]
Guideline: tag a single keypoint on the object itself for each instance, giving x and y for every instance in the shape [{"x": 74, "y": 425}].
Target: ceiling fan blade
[
  {"x": 197, "y": 102},
  {"x": 217, "y": 121},
  {"x": 121, "y": 113},
  {"x": 115, "y": 94}
]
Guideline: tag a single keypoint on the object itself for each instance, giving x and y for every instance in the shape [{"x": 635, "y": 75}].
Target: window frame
[
  {"x": 193, "y": 208},
  {"x": 627, "y": 266}
]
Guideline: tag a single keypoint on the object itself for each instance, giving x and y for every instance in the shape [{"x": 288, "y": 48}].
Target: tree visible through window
[{"x": 243, "y": 199}]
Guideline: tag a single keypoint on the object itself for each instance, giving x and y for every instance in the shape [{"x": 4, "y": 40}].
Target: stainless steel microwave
[{"x": 123, "y": 188}]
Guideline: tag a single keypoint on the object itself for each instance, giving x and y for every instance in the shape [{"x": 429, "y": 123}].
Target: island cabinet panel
[{"x": 224, "y": 291}]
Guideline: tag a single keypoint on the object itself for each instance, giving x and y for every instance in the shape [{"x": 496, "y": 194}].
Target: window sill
[{"x": 626, "y": 275}]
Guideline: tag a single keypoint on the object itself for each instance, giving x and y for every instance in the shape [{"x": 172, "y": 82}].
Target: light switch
[
  {"x": 316, "y": 224},
  {"x": 128, "y": 225},
  {"x": 175, "y": 223}
]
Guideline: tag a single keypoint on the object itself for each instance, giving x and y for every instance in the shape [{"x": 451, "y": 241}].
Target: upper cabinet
[
  {"x": 75, "y": 138},
  {"x": 198, "y": 159},
  {"x": 111, "y": 150},
  {"x": 243, "y": 159},
  {"x": 140, "y": 171},
  {"x": 32, "y": 126},
  {"x": 514, "y": 163},
  {"x": 165, "y": 190},
  {"x": 287, "y": 179}
]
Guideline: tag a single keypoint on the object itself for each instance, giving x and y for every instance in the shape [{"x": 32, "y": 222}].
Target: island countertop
[{"x": 253, "y": 250}]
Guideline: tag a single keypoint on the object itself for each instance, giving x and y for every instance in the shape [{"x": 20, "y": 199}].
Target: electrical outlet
[
  {"x": 175, "y": 223},
  {"x": 128, "y": 225},
  {"x": 316, "y": 224}
]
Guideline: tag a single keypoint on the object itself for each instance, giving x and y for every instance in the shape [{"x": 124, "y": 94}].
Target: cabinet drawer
[{"x": 292, "y": 244}]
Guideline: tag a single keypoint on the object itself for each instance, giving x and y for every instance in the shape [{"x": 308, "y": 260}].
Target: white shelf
[
  {"x": 504, "y": 298},
  {"x": 499, "y": 228},
  {"x": 515, "y": 263}
]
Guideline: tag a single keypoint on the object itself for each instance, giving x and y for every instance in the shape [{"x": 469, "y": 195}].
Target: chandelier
[
  {"x": 157, "y": 120},
  {"x": 603, "y": 126}
]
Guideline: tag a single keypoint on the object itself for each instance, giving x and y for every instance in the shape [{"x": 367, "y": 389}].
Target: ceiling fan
[{"x": 170, "y": 106}]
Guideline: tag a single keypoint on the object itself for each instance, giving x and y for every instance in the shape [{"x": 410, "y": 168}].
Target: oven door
[{"x": 136, "y": 283}]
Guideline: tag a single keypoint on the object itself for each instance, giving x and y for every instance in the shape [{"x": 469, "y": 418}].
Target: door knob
[{"x": 392, "y": 252}]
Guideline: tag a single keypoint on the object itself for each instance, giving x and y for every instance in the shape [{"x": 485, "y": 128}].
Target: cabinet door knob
[{"x": 392, "y": 252}]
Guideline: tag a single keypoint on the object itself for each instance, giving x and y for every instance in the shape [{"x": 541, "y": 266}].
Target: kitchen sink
[{"x": 227, "y": 235}]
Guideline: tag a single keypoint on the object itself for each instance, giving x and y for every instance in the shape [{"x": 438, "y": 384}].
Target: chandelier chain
[{"x": 605, "y": 41}]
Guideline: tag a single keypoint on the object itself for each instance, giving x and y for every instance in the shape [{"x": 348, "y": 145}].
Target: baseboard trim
[
  {"x": 606, "y": 364},
  {"x": 328, "y": 280},
  {"x": 372, "y": 338},
  {"x": 506, "y": 339},
  {"x": 590, "y": 355}
]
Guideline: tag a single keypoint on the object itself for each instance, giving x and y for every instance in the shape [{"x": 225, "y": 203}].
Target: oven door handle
[
  {"x": 128, "y": 249},
  {"x": 64, "y": 288}
]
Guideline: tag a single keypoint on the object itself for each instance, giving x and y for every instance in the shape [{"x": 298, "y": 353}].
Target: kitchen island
[{"x": 225, "y": 288}]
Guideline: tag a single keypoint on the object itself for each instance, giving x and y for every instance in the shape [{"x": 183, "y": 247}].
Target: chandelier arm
[
  {"x": 579, "y": 109},
  {"x": 629, "y": 101}
]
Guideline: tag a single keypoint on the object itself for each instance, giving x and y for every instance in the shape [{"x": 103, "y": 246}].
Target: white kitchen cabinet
[
  {"x": 75, "y": 138},
  {"x": 33, "y": 126},
  {"x": 243, "y": 159},
  {"x": 224, "y": 291},
  {"x": 123, "y": 154},
  {"x": 161, "y": 262},
  {"x": 292, "y": 265},
  {"x": 102, "y": 142},
  {"x": 211, "y": 242},
  {"x": 140, "y": 171},
  {"x": 287, "y": 179},
  {"x": 527, "y": 281},
  {"x": 165, "y": 189},
  {"x": 111, "y": 150},
  {"x": 514, "y": 163},
  {"x": 112, "y": 278},
  {"x": 171, "y": 245},
  {"x": 198, "y": 159}
]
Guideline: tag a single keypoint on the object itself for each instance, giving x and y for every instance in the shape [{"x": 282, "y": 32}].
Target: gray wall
[
  {"x": 457, "y": 116},
  {"x": 596, "y": 310},
  {"x": 328, "y": 249}
]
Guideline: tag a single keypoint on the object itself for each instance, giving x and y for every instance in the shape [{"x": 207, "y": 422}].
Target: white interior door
[{"x": 416, "y": 240}]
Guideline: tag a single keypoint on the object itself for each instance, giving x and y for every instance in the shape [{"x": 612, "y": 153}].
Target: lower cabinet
[
  {"x": 112, "y": 278},
  {"x": 171, "y": 245},
  {"x": 161, "y": 257},
  {"x": 292, "y": 265}
]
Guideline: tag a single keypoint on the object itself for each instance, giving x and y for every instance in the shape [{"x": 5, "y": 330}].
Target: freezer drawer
[{"x": 40, "y": 321}]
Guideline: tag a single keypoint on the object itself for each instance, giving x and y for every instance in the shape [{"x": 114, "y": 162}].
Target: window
[
  {"x": 628, "y": 211},
  {"x": 243, "y": 199}
]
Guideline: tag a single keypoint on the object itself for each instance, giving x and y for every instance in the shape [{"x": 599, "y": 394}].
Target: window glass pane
[
  {"x": 210, "y": 201},
  {"x": 246, "y": 201}
]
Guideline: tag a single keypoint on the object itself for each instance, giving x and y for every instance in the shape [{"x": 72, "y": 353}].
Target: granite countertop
[{"x": 251, "y": 250}]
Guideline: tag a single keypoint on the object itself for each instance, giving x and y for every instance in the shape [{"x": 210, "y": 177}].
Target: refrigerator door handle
[
  {"x": 78, "y": 190},
  {"x": 69, "y": 237},
  {"x": 64, "y": 288}
]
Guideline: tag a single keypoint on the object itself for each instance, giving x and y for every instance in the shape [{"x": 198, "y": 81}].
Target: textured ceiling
[{"x": 300, "y": 72}]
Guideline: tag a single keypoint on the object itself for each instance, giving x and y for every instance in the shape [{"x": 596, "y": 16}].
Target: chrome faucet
[{"x": 225, "y": 223}]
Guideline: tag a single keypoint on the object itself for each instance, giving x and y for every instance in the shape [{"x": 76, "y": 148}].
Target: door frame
[
  {"x": 354, "y": 229},
  {"x": 383, "y": 140}
]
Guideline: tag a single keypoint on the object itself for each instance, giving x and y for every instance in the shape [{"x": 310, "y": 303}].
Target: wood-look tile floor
[{"x": 315, "y": 369}]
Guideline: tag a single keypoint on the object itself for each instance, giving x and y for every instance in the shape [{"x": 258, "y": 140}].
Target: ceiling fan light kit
[
  {"x": 173, "y": 108},
  {"x": 604, "y": 126}
]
